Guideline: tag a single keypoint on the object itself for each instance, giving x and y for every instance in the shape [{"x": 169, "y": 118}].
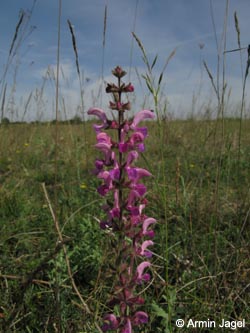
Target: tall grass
[
  {"x": 74, "y": 44},
  {"x": 199, "y": 284},
  {"x": 22, "y": 31}
]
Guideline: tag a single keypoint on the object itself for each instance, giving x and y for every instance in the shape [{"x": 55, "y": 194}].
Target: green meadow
[{"x": 55, "y": 261}]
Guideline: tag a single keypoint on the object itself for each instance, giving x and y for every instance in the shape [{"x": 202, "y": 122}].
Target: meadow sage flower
[{"x": 122, "y": 186}]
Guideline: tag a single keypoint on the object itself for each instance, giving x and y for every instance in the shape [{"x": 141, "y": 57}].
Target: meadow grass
[{"x": 199, "y": 189}]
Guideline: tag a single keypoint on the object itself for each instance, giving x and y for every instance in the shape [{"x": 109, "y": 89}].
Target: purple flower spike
[
  {"x": 144, "y": 114},
  {"x": 122, "y": 187}
]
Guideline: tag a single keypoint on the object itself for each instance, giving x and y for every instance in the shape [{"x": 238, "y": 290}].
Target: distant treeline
[
  {"x": 74, "y": 120},
  {"x": 78, "y": 120}
]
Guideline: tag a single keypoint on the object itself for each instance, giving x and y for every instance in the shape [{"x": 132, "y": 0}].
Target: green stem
[{"x": 120, "y": 122}]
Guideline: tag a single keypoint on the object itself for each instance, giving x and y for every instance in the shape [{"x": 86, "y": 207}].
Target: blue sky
[{"x": 161, "y": 25}]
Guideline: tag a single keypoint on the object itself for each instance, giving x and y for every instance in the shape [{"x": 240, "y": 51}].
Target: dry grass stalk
[
  {"x": 211, "y": 78},
  {"x": 172, "y": 54},
  {"x": 3, "y": 102},
  {"x": 103, "y": 52},
  {"x": 145, "y": 59},
  {"x": 74, "y": 45},
  {"x": 21, "y": 33},
  {"x": 26, "y": 105},
  {"x": 237, "y": 28},
  {"x": 132, "y": 41},
  {"x": 104, "y": 27},
  {"x": 16, "y": 32}
]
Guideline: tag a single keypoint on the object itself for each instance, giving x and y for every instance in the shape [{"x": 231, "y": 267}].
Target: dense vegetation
[{"x": 199, "y": 195}]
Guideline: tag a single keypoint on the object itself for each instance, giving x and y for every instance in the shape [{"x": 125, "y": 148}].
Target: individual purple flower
[
  {"x": 140, "y": 317},
  {"x": 103, "y": 190},
  {"x": 136, "y": 216},
  {"x": 143, "y": 249},
  {"x": 115, "y": 211},
  {"x": 102, "y": 116},
  {"x": 133, "y": 196},
  {"x": 139, "y": 188},
  {"x": 135, "y": 174},
  {"x": 140, "y": 116},
  {"x": 136, "y": 141},
  {"x": 105, "y": 175},
  {"x": 107, "y": 185},
  {"x": 98, "y": 166},
  {"x": 147, "y": 222},
  {"x": 104, "y": 144},
  {"x": 103, "y": 137},
  {"x": 140, "y": 276},
  {"x": 110, "y": 322}
]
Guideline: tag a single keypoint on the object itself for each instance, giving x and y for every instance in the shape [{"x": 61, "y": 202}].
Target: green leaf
[
  {"x": 159, "y": 311},
  {"x": 154, "y": 62},
  {"x": 150, "y": 88},
  {"x": 160, "y": 78}
]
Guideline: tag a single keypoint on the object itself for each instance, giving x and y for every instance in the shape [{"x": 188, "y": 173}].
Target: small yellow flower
[
  {"x": 83, "y": 186},
  {"x": 18, "y": 151},
  {"x": 191, "y": 165},
  {"x": 26, "y": 144}
]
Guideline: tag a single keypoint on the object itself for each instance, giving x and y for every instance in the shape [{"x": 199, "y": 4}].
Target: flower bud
[
  {"x": 129, "y": 88},
  {"x": 119, "y": 106},
  {"x": 118, "y": 72},
  {"x": 112, "y": 88}
]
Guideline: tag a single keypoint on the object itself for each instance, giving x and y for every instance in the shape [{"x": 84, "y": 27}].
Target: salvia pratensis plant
[{"x": 124, "y": 192}]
